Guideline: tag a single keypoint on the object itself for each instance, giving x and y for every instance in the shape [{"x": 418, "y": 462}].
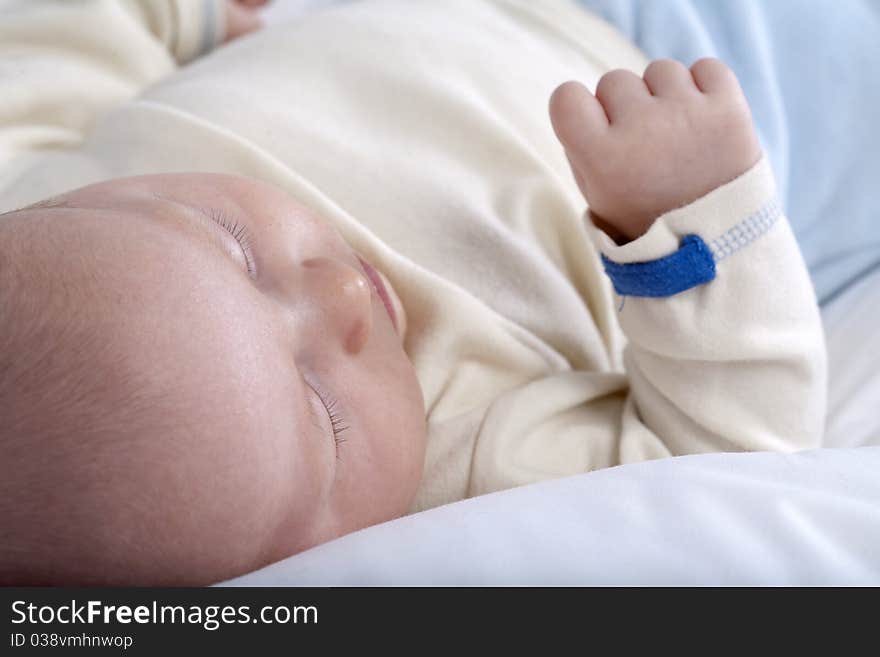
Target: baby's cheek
[
  {"x": 298, "y": 488},
  {"x": 388, "y": 475},
  {"x": 277, "y": 463}
]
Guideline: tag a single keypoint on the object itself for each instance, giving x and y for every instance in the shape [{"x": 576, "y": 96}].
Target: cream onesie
[{"x": 420, "y": 129}]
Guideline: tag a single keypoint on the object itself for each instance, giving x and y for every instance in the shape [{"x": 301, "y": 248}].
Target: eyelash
[
  {"x": 337, "y": 423},
  {"x": 241, "y": 234}
]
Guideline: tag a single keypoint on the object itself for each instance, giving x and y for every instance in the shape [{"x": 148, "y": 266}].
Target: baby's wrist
[{"x": 621, "y": 232}]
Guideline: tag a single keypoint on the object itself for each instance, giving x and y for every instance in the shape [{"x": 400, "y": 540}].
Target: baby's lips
[
  {"x": 399, "y": 312},
  {"x": 386, "y": 292}
]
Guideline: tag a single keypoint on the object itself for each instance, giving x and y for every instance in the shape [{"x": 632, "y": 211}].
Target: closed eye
[
  {"x": 239, "y": 231},
  {"x": 338, "y": 425},
  {"x": 231, "y": 225},
  {"x": 336, "y": 422}
]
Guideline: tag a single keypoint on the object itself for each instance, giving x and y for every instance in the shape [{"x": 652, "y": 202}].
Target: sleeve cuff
[
  {"x": 681, "y": 248},
  {"x": 690, "y": 265}
]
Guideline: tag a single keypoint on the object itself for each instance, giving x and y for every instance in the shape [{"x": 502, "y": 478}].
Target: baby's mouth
[{"x": 387, "y": 295}]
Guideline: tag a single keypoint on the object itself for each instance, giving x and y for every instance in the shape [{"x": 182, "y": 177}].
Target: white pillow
[
  {"x": 811, "y": 518},
  {"x": 852, "y": 322}
]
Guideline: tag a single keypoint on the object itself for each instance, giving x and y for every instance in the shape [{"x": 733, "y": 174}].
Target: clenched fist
[{"x": 643, "y": 146}]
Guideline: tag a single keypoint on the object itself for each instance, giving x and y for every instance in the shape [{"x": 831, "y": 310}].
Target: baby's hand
[{"x": 641, "y": 147}]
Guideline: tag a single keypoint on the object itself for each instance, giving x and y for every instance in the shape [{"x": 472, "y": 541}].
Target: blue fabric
[
  {"x": 688, "y": 267},
  {"x": 811, "y": 72}
]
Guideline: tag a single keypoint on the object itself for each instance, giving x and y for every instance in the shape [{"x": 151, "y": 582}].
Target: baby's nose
[{"x": 345, "y": 297}]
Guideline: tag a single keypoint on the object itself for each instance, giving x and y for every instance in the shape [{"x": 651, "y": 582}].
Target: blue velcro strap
[{"x": 688, "y": 267}]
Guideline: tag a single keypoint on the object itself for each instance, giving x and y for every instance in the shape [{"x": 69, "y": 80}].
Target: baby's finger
[
  {"x": 576, "y": 115},
  {"x": 668, "y": 78},
  {"x": 619, "y": 91},
  {"x": 712, "y": 76}
]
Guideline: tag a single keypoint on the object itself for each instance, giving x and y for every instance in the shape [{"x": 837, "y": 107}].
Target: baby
[{"x": 201, "y": 374}]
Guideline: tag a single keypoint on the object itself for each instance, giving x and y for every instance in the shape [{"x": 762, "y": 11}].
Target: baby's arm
[
  {"x": 63, "y": 64},
  {"x": 725, "y": 346}
]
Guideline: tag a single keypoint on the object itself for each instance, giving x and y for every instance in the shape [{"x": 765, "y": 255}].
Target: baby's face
[{"x": 281, "y": 408}]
